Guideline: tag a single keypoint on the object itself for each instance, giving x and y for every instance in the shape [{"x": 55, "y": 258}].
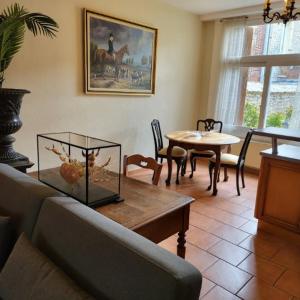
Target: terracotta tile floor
[{"x": 236, "y": 260}]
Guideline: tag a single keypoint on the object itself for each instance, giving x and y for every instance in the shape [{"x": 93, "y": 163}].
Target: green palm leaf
[
  {"x": 41, "y": 24},
  {"x": 13, "y": 22},
  {"x": 11, "y": 41}
]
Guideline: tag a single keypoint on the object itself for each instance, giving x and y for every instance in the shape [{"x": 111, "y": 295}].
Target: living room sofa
[{"x": 105, "y": 259}]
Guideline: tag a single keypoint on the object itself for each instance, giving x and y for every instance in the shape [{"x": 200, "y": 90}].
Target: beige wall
[
  {"x": 205, "y": 76},
  {"x": 52, "y": 71}
]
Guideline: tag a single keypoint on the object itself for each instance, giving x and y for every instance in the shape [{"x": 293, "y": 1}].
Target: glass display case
[{"x": 85, "y": 168}]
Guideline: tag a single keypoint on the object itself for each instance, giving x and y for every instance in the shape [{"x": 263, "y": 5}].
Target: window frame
[{"x": 268, "y": 62}]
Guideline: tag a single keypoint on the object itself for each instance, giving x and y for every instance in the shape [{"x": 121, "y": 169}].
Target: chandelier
[{"x": 286, "y": 16}]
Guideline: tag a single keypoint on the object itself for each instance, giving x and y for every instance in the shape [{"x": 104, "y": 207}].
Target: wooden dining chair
[
  {"x": 179, "y": 155},
  {"x": 233, "y": 161},
  {"x": 145, "y": 163},
  {"x": 208, "y": 125}
]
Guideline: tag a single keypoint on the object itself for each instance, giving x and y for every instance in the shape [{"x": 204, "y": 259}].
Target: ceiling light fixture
[{"x": 286, "y": 16}]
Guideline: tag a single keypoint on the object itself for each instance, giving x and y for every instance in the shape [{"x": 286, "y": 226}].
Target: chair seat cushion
[
  {"x": 203, "y": 152},
  {"x": 227, "y": 159},
  {"x": 29, "y": 274},
  {"x": 176, "y": 152}
]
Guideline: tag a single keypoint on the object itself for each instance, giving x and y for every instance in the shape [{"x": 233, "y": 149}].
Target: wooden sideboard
[{"x": 278, "y": 193}]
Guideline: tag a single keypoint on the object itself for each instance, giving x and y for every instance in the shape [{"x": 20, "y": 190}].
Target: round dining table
[{"x": 200, "y": 141}]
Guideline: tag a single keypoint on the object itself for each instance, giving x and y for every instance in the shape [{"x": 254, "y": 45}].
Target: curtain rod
[{"x": 234, "y": 18}]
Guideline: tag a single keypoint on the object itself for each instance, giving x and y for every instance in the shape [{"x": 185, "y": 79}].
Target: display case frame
[{"x": 63, "y": 177}]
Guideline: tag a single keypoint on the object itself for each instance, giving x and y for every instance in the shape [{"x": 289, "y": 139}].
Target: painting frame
[{"x": 108, "y": 78}]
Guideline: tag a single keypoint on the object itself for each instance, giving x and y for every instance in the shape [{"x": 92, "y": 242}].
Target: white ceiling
[{"x": 203, "y": 7}]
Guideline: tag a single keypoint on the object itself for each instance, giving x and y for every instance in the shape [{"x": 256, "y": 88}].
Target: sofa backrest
[
  {"x": 108, "y": 260},
  {"x": 21, "y": 198}
]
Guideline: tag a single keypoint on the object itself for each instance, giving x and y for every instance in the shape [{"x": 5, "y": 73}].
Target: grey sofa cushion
[
  {"x": 6, "y": 239},
  {"x": 21, "y": 198},
  {"x": 28, "y": 274},
  {"x": 109, "y": 260}
]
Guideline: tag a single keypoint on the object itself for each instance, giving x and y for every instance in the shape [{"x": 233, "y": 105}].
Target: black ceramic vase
[{"x": 10, "y": 123}]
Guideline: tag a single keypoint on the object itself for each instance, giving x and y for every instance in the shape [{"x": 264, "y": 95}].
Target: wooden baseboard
[
  {"x": 280, "y": 232},
  {"x": 249, "y": 170},
  {"x": 252, "y": 170}
]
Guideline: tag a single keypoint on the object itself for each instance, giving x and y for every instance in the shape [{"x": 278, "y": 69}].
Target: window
[
  {"x": 283, "y": 98},
  {"x": 254, "y": 82},
  {"x": 268, "y": 90},
  {"x": 275, "y": 38}
]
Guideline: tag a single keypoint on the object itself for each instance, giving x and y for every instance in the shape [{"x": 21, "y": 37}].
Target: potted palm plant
[{"x": 14, "y": 20}]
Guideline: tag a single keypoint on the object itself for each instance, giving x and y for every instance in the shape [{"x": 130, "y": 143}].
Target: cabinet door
[{"x": 278, "y": 196}]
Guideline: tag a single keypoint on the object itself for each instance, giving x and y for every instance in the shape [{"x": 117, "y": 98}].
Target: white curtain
[{"x": 229, "y": 84}]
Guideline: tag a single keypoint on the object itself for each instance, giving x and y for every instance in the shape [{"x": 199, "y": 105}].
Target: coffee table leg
[
  {"x": 181, "y": 244},
  {"x": 169, "y": 158},
  {"x": 184, "y": 226},
  {"x": 216, "y": 173}
]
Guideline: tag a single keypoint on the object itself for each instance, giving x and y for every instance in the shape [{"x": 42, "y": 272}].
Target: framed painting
[{"x": 120, "y": 56}]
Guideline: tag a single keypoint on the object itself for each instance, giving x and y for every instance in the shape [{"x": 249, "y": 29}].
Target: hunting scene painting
[{"x": 119, "y": 56}]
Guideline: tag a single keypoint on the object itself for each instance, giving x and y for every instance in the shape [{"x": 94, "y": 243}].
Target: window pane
[
  {"x": 253, "y": 88},
  {"x": 275, "y": 38},
  {"x": 284, "y": 98}
]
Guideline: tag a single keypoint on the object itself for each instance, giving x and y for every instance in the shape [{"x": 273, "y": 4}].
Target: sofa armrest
[
  {"x": 108, "y": 260},
  {"x": 21, "y": 198}
]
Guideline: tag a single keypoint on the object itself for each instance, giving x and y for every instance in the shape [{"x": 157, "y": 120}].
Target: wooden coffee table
[{"x": 151, "y": 211}]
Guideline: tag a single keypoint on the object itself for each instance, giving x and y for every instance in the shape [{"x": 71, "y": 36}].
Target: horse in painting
[{"x": 103, "y": 59}]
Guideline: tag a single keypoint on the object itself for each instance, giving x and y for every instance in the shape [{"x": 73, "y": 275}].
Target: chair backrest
[
  {"x": 158, "y": 140},
  {"x": 143, "y": 162},
  {"x": 245, "y": 146},
  {"x": 209, "y": 124}
]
